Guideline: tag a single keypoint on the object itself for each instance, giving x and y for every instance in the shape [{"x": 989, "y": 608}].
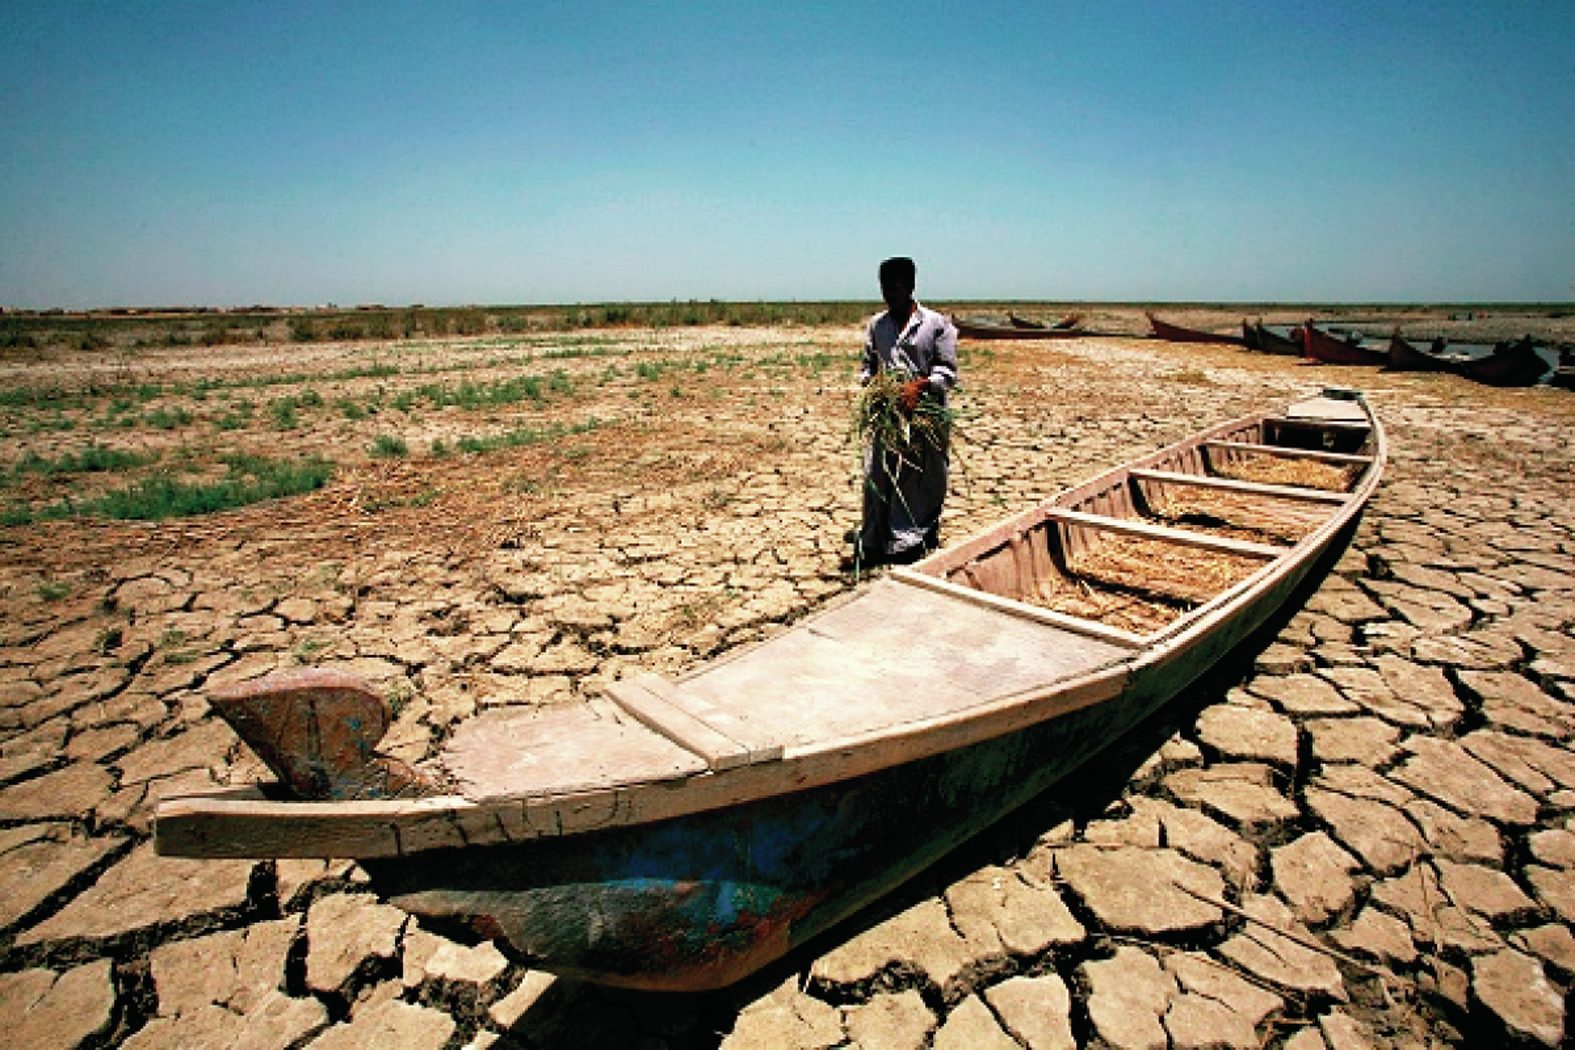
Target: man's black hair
[{"x": 901, "y": 269}]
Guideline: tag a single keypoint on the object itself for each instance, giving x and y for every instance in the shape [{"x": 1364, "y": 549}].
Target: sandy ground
[{"x": 1390, "y": 781}]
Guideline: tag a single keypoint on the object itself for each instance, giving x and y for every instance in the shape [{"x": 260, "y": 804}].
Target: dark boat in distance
[
  {"x": 1177, "y": 334},
  {"x": 1015, "y": 329},
  {"x": 1404, "y": 356},
  {"x": 1323, "y": 346},
  {"x": 1259, "y": 337},
  {"x": 1510, "y": 364},
  {"x": 681, "y": 834}
]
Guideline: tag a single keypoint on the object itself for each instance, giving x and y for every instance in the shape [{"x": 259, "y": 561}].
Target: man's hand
[{"x": 912, "y": 390}]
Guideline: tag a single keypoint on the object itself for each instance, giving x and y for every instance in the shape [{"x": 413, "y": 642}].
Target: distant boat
[
  {"x": 1024, "y": 322},
  {"x": 1175, "y": 333},
  {"x": 1510, "y": 364},
  {"x": 1262, "y": 339},
  {"x": 1407, "y": 357},
  {"x": 992, "y": 330},
  {"x": 1322, "y": 346}
]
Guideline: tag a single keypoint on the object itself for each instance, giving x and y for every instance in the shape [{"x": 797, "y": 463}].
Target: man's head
[{"x": 897, "y": 278}]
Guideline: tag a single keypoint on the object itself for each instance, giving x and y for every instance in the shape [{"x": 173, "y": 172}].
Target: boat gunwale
[{"x": 402, "y": 827}]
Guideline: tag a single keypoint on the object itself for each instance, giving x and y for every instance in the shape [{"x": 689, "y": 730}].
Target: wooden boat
[
  {"x": 1258, "y": 337},
  {"x": 1065, "y": 323},
  {"x": 973, "y": 329},
  {"x": 1510, "y": 364},
  {"x": 680, "y": 834},
  {"x": 1407, "y": 357},
  {"x": 1177, "y": 334},
  {"x": 1323, "y": 346}
]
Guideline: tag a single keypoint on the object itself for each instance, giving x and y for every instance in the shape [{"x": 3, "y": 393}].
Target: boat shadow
[{"x": 594, "y": 1017}]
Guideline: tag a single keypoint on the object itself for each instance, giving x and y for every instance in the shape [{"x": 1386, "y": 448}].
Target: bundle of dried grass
[{"x": 883, "y": 422}]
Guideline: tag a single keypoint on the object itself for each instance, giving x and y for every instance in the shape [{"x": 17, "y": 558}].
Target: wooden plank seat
[
  {"x": 1253, "y": 488},
  {"x": 1164, "y": 533},
  {"x": 656, "y": 703},
  {"x": 1290, "y": 453}
]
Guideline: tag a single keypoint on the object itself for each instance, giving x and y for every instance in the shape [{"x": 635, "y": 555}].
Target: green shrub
[
  {"x": 252, "y": 479},
  {"x": 95, "y": 458},
  {"x": 168, "y": 419},
  {"x": 389, "y": 446}
]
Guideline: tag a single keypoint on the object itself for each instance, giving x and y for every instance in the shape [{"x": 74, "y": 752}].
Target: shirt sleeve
[
  {"x": 871, "y": 362},
  {"x": 943, "y": 368}
]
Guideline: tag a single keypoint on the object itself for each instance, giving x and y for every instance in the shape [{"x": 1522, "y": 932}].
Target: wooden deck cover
[{"x": 895, "y": 654}]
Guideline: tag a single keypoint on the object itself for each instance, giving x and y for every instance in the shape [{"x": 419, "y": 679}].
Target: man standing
[{"x": 905, "y": 487}]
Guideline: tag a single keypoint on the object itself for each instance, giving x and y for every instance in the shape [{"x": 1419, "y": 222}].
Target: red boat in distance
[
  {"x": 1322, "y": 346},
  {"x": 1176, "y": 334}
]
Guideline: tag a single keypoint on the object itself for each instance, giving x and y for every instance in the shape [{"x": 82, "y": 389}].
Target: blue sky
[{"x": 219, "y": 153}]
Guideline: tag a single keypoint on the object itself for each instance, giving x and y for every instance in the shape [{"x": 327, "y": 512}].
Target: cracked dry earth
[{"x": 1360, "y": 834}]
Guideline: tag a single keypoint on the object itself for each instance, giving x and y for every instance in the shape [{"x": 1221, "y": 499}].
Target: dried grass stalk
[
  {"x": 1234, "y": 515},
  {"x": 1164, "y": 570},
  {"x": 1269, "y": 469}
]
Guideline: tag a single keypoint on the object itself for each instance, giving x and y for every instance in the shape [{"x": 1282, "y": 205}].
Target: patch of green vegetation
[
  {"x": 238, "y": 417},
  {"x": 389, "y": 446},
  {"x": 523, "y": 437},
  {"x": 251, "y": 479},
  {"x": 472, "y": 396},
  {"x": 53, "y": 590},
  {"x": 286, "y": 410},
  {"x": 56, "y": 422},
  {"x": 94, "y": 458},
  {"x": 167, "y": 419},
  {"x": 309, "y": 647}
]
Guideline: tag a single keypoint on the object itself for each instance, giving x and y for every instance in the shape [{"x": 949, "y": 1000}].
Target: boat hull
[
  {"x": 1405, "y": 357},
  {"x": 1321, "y": 346},
  {"x": 1172, "y": 333},
  {"x": 977, "y": 330},
  {"x": 1271, "y": 342},
  {"x": 1517, "y": 364},
  {"x": 701, "y": 901}
]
